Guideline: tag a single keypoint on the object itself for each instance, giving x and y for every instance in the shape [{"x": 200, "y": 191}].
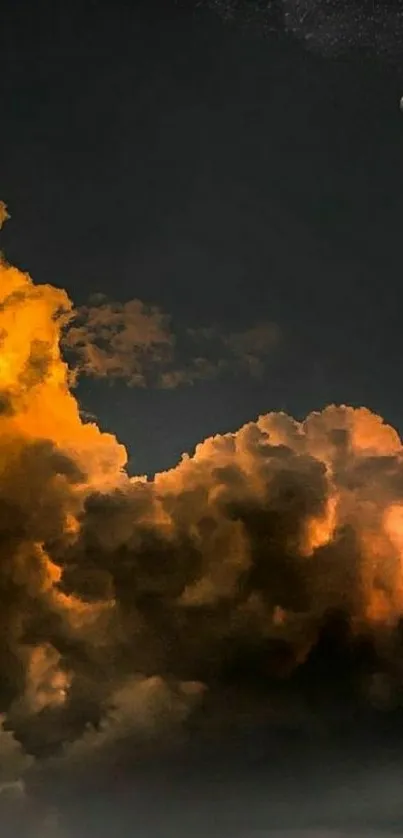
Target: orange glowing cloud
[
  {"x": 124, "y": 599},
  {"x": 4, "y": 216}
]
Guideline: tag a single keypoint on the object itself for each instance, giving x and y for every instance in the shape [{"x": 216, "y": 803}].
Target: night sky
[
  {"x": 214, "y": 192},
  {"x": 222, "y": 172}
]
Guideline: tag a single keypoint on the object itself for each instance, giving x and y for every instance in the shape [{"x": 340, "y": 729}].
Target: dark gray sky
[{"x": 224, "y": 173}]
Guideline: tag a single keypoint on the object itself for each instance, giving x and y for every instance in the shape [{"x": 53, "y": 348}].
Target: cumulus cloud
[{"x": 128, "y": 607}]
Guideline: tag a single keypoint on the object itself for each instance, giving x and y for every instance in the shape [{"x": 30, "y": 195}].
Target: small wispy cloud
[
  {"x": 138, "y": 343},
  {"x": 119, "y": 340},
  {"x": 4, "y": 216}
]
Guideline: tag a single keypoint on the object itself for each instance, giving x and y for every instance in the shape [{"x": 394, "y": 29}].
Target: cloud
[
  {"x": 260, "y": 578},
  {"x": 253, "y": 342},
  {"x": 120, "y": 340},
  {"x": 137, "y": 343},
  {"x": 253, "y": 347},
  {"x": 141, "y": 710},
  {"x": 20, "y": 813},
  {"x": 4, "y": 216},
  {"x": 13, "y": 761}
]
